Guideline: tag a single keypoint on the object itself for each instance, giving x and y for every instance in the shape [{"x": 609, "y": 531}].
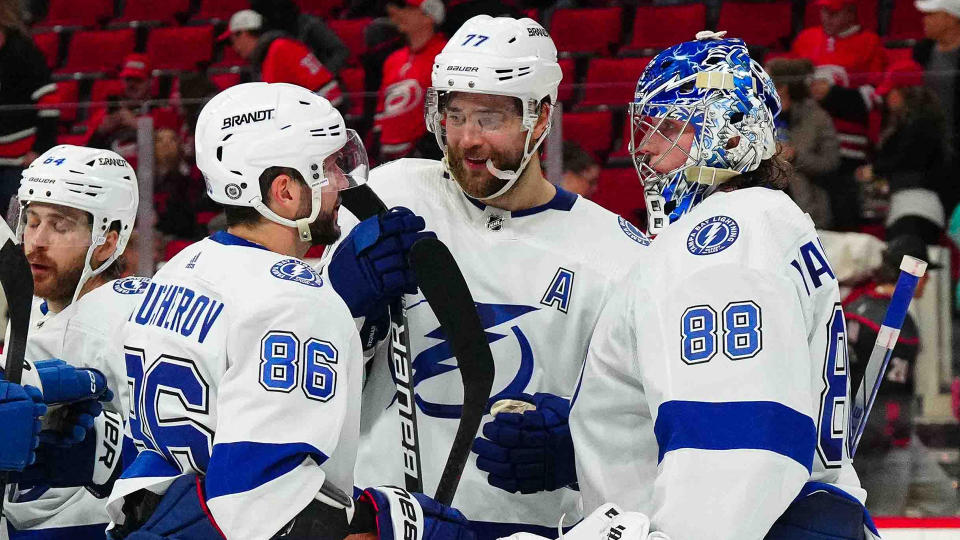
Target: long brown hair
[{"x": 11, "y": 16}]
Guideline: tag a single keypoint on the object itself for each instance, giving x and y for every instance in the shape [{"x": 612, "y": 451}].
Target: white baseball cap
[
  {"x": 930, "y": 6},
  {"x": 245, "y": 19}
]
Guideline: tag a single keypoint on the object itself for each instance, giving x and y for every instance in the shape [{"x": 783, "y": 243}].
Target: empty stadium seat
[
  {"x": 225, "y": 80},
  {"x": 568, "y": 68},
  {"x": 611, "y": 81},
  {"x": 906, "y": 22},
  {"x": 620, "y": 153},
  {"x": 180, "y": 47},
  {"x": 590, "y": 31},
  {"x": 219, "y": 10},
  {"x": 658, "y": 27},
  {"x": 98, "y": 51},
  {"x": 758, "y": 23},
  {"x": 866, "y": 11},
  {"x": 898, "y": 54},
  {"x": 68, "y": 94},
  {"x": 49, "y": 45},
  {"x": 351, "y": 33},
  {"x": 104, "y": 88},
  {"x": 351, "y": 80},
  {"x": 152, "y": 11},
  {"x": 620, "y": 191},
  {"x": 77, "y": 13},
  {"x": 321, "y": 8},
  {"x": 591, "y": 130}
]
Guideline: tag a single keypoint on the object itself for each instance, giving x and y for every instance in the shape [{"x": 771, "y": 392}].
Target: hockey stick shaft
[
  {"x": 17, "y": 282},
  {"x": 911, "y": 270},
  {"x": 364, "y": 203}
]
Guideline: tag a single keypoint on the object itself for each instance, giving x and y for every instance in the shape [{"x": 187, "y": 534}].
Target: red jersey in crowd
[
  {"x": 287, "y": 60},
  {"x": 406, "y": 77},
  {"x": 858, "y": 51}
]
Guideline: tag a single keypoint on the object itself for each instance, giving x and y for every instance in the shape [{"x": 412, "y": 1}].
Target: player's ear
[
  {"x": 283, "y": 196},
  {"x": 106, "y": 250},
  {"x": 545, "y": 110}
]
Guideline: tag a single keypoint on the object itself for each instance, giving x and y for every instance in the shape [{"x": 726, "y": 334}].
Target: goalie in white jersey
[
  {"x": 77, "y": 210},
  {"x": 244, "y": 364},
  {"x": 540, "y": 263},
  {"x": 713, "y": 397}
]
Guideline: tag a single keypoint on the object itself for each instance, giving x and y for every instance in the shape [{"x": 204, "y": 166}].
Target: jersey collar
[
  {"x": 563, "y": 200},
  {"x": 227, "y": 239}
]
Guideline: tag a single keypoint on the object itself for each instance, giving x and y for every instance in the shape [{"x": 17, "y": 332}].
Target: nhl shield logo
[{"x": 713, "y": 235}]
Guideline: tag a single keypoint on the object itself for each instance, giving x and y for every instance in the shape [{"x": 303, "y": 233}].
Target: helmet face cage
[{"x": 712, "y": 88}]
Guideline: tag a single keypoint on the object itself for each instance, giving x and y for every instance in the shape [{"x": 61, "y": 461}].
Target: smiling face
[{"x": 481, "y": 127}]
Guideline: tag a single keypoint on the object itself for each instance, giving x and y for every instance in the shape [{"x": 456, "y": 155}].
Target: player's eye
[
  {"x": 456, "y": 119},
  {"x": 491, "y": 121}
]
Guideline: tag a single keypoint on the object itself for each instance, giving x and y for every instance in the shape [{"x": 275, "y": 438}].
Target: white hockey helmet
[
  {"x": 503, "y": 56},
  {"x": 249, "y": 127},
  {"x": 99, "y": 182}
]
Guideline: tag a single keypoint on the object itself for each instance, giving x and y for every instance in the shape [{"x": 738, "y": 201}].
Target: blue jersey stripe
[
  {"x": 241, "y": 466},
  {"x": 80, "y": 532},
  {"x": 150, "y": 464},
  {"x": 759, "y": 425}
]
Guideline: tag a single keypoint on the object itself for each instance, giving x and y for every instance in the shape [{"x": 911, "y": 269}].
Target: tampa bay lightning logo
[
  {"x": 131, "y": 285},
  {"x": 632, "y": 232},
  {"x": 713, "y": 235},
  {"x": 296, "y": 270},
  {"x": 438, "y": 359}
]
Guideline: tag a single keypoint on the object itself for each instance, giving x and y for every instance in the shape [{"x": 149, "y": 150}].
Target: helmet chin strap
[
  {"x": 303, "y": 224},
  {"x": 512, "y": 176},
  {"x": 88, "y": 272}
]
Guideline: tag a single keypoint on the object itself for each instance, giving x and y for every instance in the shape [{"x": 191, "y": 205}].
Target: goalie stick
[
  {"x": 911, "y": 270},
  {"x": 17, "y": 282},
  {"x": 445, "y": 289}
]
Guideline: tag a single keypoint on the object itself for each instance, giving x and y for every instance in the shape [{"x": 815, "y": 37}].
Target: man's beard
[
  {"x": 324, "y": 230},
  {"x": 59, "y": 285},
  {"x": 481, "y": 184}
]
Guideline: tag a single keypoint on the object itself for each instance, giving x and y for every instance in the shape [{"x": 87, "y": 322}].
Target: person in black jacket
[{"x": 27, "y": 123}]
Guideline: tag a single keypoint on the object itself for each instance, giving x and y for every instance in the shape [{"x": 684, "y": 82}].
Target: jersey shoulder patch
[
  {"x": 713, "y": 235},
  {"x": 633, "y": 232},
  {"x": 131, "y": 285},
  {"x": 297, "y": 271}
]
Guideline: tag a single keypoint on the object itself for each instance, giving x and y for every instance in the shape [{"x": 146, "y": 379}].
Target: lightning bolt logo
[{"x": 713, "y": 235}]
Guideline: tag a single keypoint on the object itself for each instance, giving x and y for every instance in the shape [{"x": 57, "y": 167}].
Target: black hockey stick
[
  {"x": 449, "y": 296},
  {"x": 364, "y": 203},
  {"x": 17, "y": 282}
]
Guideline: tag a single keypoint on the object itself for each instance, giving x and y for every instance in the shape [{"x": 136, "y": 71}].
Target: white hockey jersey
[
  {"x": 246, "y": 366},
  {"x": 83, "y": 334},
  {"x": 716, "y": 381},
  {"x": 539, "y": 278}
]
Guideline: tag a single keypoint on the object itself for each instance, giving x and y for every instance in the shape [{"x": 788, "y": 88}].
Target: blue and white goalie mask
[{"x": 702, "y": 114}]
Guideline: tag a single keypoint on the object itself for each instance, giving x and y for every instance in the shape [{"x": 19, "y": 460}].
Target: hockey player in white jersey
[
  {"x": 540, "y": 262},
  {"x": 244, "y": 364},
  {"x": 713, "y": 397},
  {"x": 77, "y": 210}
]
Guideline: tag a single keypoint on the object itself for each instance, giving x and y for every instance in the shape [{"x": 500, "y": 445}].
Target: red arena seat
[
  {"x": 658, "y": 27},
  {"x": 98, "y": 51},
  {"x": 180, "y": 47},
  {"x": 151, "y": 11},
  {"x": 77, "y": 13},
  {"x": 620, "y": 191},
  {"x": 592, "y": 31},
  {"x": 591, "y": 130},
  {"x": 49, "y": 45},
  {"x": 611, "y": 81},
  {"x": 740, "y": 19}
]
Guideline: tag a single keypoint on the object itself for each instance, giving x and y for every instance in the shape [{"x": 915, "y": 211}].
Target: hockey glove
[
  {"x": 605, "y": 523},
  {"x": 20, "y": 410},
  {"x": 529, "y": 450},
  {"x": 181, "y": 515},
  {"x": 369, "y": 269},
  {"x": 93, "y": 463},
  {"x": 402, "y": 515},
  {"x": 80, "y": 390}
]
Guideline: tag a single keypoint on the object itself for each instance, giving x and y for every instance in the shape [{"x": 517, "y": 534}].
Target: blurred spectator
[
  {"x": 939, "y": 55},
  {"x": 841, "y": 41},
  {"x": 912, "y": 159},
  {"x": 897, "y": 470},
  {"x": 177, "y": 189},
  {"x": 25, "y": 81},
  {"x": 406, "y": 76},
  {"x": 277, "y": 57},
  {"x": 285, "y": 15},
  {"x": 807, "y": 139},
  {"x": 850, "y": 110},
  {"x": 580, "y": 170}
]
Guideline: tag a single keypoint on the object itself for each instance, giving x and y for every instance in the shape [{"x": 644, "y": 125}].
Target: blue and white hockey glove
[
  {"x": 79, "y": 390},
  {"x": 528, "y": 447},
  {"x": 402, "y": 515},
  {"x": 94, "y": 463},
  {"x": 20, "y": 410},
  {"x": 182, "y": 515},
  {"x": 369, "y": 269}
]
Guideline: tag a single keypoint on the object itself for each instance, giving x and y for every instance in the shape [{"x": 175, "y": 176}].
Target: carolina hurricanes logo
[
  {"x": 438, "y": 359},
  {"x": 402, "y": 97}
]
